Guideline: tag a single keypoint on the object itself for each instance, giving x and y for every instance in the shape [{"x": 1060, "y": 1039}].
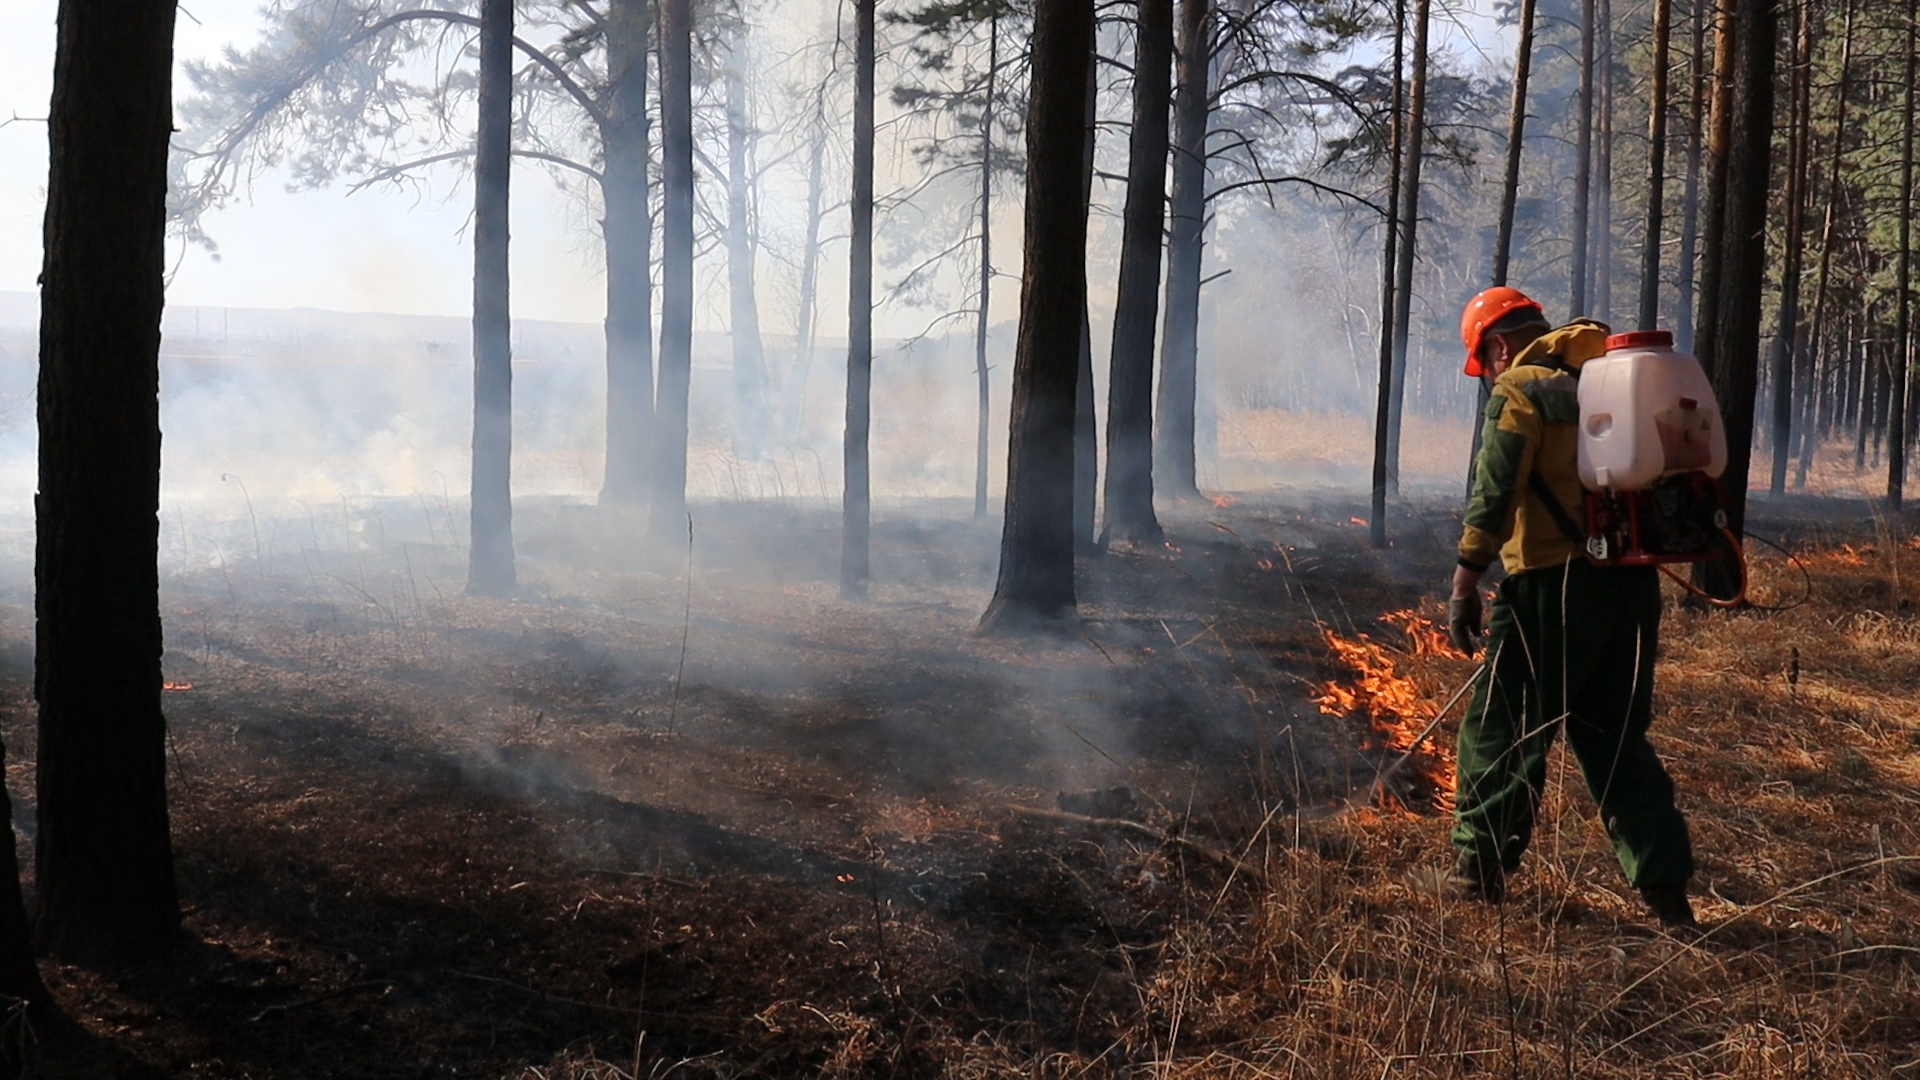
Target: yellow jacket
[{"x": 1532, "y": 425}]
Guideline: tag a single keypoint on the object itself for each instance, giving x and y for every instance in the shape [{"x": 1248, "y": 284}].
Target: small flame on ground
[
  {"x": 1357, "y": 521},
  {"x": 1847, "y": 556},
  {"x": 1221, "y": 502},
  {"x": 176, "y": 687},
  {"x": 1425, "y": 638},
  {"x": 1392, "y": 703}
]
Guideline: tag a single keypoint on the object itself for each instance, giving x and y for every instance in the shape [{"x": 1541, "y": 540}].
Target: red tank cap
[{"x": 1641, "y": 339}]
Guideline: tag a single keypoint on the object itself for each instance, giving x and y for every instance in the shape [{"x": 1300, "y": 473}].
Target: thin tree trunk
[
  {"x": 1583, "y": 167},
  {"x": 1786, "y": 344},
  {"x": 1035, "y": 585},
  {"x": 104, "y": 888},
  {"x": 1719, "y": 138},
  {"x": 1175, "y": 472},
  {"x": 1903, "y": 287},
  {"x": 1690, "y": 196},
  {"x": 1086, "y": 435},
  {"x": 1516, "y": 138},
  {"x": 668, "y": 519},
  {"x": 1389, "y": 262},
  {"x": 1603, "y": 173},
  {"x": 1656, "y": 167},
  {"x": 855, "y": 512},
  {"x": 490, "y": 550},
  {"x": 809, "y": 276},
  {"x": 1410, "y": 227},
  {"x": 626, "y": 139},
  {"x": 1130, "y": 517},
  {"x": 986, "y": 270},
  {"x": 1827, "y": 229},
  {"x": 751, "y": 409}
]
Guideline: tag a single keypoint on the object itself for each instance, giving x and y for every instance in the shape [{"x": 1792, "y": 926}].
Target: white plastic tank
[{"x": 1646, "y": 411}]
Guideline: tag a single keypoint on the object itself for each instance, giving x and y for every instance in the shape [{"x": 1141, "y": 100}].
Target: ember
[
  {"x": 1393, "y": 704},
  {"x": 177, "y": 687},
  {"x": 1221, "y": 502}
]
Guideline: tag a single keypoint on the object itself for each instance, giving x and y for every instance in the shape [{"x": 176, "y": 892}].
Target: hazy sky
[{"x": 379, "y": 250}]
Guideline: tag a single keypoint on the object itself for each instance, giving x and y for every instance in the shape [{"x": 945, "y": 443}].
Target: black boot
[
  {"x": 1472, "y": 879},
  {"x": 1669, "y": 904}
]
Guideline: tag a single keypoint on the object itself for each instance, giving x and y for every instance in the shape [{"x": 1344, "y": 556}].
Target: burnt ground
[{"x": 738, "y": 825}]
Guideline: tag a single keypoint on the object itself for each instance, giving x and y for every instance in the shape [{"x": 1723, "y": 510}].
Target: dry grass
[{"x": 1795, "y": 741}]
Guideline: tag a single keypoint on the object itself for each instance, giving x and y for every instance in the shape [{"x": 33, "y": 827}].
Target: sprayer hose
[{"x": 1739, "y": 559}]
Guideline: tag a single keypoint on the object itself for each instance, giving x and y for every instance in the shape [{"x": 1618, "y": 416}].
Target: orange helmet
[{"x": 1485, "y": 309}]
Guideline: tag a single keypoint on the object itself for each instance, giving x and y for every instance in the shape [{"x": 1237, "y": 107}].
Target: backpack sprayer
[{"x": 1652, "y": 448}]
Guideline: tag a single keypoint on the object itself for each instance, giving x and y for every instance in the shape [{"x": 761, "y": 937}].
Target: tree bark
[
  {"x": 1903, "y": 286},
  {"x": 1690, "y": 196},
  {"x": 1734, "y": 359},
  {"x": 986, "y": 271},
  {"x": 1389, "y": 261},
  {"x": 1130, "y": 517},
  {"x": 1086, "y": 434},
  {"x": 752, "y": 415},
  {"x": 490, "y": 550},
  {"x": 1603, "y": 173},
  {"x": 1516, "y": 139},
  {"x": 1713, "y": 224},
  {"x": 855, "y": 513},
  {"x": 1786, "y": 345},
  {"x": 1656, "y": 167},
  {"x": 104, "y": 861},
  {"x": 667, "y": 520},
  {"x": 626, "y": 140},
  {"x": 809, "y": 274},
  {"x": 1412, "y": 146},
  {"x": 1035, "y": 586},
  {"x": 1173, "y": 445},
  {"x": 1583, "y": 167}
]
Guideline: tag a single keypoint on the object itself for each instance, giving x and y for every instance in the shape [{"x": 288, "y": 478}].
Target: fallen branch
[{"x": 1206, "y": 854}]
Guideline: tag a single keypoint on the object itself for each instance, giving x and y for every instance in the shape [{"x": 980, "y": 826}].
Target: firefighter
[{"x": 1570, "y": 644}]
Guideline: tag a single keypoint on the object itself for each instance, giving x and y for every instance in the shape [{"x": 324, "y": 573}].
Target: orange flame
[
  {"x": 1423, "y": 637},
  {"x": 176, "y": 687},
  {"x": 1394, "y": 706},
  {"x": 1356, "y": 521},
  {"x": 1847, "y": 556},
  {"x": 1221, "y": 502}
]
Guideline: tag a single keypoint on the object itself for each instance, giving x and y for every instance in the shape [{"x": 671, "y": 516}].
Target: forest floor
[{"x": 641, "y": 822}]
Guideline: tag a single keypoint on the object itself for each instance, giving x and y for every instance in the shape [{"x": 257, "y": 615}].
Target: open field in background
[{"x": 621, "y": 826}]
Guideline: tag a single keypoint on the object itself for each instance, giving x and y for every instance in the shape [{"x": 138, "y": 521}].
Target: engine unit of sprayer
[{"x": 1652, "y": 448}]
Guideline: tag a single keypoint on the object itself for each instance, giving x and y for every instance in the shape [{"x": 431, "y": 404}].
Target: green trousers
[{"x": 1570, "y": 646}]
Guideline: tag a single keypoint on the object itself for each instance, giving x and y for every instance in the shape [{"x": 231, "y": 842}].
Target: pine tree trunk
[
  {"x": 1389, "y": 262},
  {"x": 804, "y": 328},
  {"x": 1516, "y": 139},
  {"x": 1412, "y": 146},
  {"x": 751, "y": 409},
  {"x": 1603, "y": 173},
  {"x": 1819, "y": 328},
  {"x": 490, "y": 552},
  {"x": 104, "y": 861},
  {"x": 1786, "y": 345},
  {"x": 1035, "y": 585},
  {"x": 1086, "y": 434},
  {"x": 1736, "y": 332},
  {"x": 1903, "y": 286},
  {"x": 986, "y": 271},
  {"x": 1713, "y": 214},
  {"x": 628, "y": 232},
  {"x": 855, "y": 513},
  {"x": 1649, "y": 315},
  {"x": 1130, "y": 517},
  {"x": 1174, "y": 466},
  {"x": 1582, "y": 168},
  {"x": 667, "y": 520},
  {"x": 1683, "y": 327}
]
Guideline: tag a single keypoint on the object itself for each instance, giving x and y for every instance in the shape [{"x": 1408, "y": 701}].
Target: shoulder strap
[{"x": 1573, "y": 532}]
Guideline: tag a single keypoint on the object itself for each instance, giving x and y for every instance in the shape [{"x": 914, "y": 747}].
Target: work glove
[{"x": 1463, "y": 622}]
